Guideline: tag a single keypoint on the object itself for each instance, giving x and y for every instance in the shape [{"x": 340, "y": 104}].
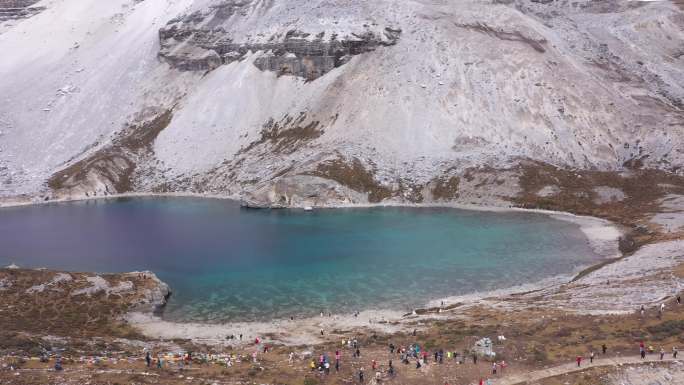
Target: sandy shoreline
[{"x": 601, "y": 234}]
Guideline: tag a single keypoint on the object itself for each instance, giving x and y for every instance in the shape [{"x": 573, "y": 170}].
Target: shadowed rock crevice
[{"x": 516, "y": 36}]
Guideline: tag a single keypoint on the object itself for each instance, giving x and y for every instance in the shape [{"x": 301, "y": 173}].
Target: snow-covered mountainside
[{"x": 331, "y": 101}]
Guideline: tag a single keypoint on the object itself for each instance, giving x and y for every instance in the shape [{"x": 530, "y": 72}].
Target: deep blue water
[{"x": 227, "y": 263}]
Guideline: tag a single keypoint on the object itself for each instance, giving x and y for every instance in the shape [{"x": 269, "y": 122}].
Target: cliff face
[
  {"x": 202, "y": 41},
  {"x": 18, "y": 9},
  {"x": 313, "y": 102}
]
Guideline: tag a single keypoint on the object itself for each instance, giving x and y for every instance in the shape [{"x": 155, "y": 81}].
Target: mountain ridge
[{"x": 336, "y": 101}]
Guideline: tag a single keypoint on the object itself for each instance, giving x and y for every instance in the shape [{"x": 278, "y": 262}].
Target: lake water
[{"x": 225, "y": 263}]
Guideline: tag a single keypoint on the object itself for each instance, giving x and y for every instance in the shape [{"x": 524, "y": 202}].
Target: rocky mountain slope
[{"x": 332, "y": 101}]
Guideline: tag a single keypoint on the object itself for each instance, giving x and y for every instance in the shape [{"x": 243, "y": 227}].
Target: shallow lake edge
[{"x": 602, "y": 235}]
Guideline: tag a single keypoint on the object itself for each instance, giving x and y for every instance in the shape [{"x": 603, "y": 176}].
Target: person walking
[
  {"x": 148, "y": 359},
  {"x": 494, "y": 368},
  {"x": 361, "y": 375},
  {"x": 662, "y": 353},
  {"x": 674, "y": 352},
  {"x": 475, "y": 359},
  {"x": 579, "y": 361},
  {"x": 591, "y": 357},
  {"x": 604, "y": 348}
]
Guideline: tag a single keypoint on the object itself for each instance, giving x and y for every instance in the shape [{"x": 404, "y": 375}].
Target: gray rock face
[
  {"x": 190, "y": 43},
  {"x": 18, "y": 9},
  {"x": 303, "y": 191}
]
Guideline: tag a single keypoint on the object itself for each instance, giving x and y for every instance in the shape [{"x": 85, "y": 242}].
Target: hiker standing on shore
[
  {"x": 579, "y": 361},
  {"x": 642, "y": 350},
  {"x": 591, "y": 357},
  {"x": 604, "y": 348},
  {"x": 662, "y": 353},
  {"x": 674, "y": 352}
]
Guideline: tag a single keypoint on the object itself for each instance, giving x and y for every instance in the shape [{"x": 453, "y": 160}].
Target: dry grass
[
  {"x": 446, "y": 189},
  {"x": 286, "y": 136},
  {"x": 56, "y": 311},
  {"x": 114, "y": 163},
  {"x": 643, "y": 190},
  {"x": 355, "y": 176}
]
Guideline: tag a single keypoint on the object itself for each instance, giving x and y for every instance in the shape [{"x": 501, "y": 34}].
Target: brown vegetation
[
  {"x": 287, "y": 135},
  {"x": 56, "y": 309},
  {"x": 355, "y": 176},
  {"x": 114, "y": 163},
  {"x": 446, "y": 189},
  {"x": 643, "y": 190}
]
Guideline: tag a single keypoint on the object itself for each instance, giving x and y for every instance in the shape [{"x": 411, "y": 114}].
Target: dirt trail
[{"x": 572, "y": 368}]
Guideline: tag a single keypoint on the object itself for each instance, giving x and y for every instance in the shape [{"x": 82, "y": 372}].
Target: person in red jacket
[{"x": 579, "y": 361}]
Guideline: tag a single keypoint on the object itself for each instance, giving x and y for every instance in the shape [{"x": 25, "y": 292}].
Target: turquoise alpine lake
[{"x": 227, "y": 263}]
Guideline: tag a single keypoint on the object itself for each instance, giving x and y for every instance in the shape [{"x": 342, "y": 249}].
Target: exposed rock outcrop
[
  {"x": 303, "y": 191},
  {"x": 18, "y": 9},
  {"x": 109, "y": 170},
  {"x": 76, "y": 303},
  {"x": 201, "y": 42}
]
